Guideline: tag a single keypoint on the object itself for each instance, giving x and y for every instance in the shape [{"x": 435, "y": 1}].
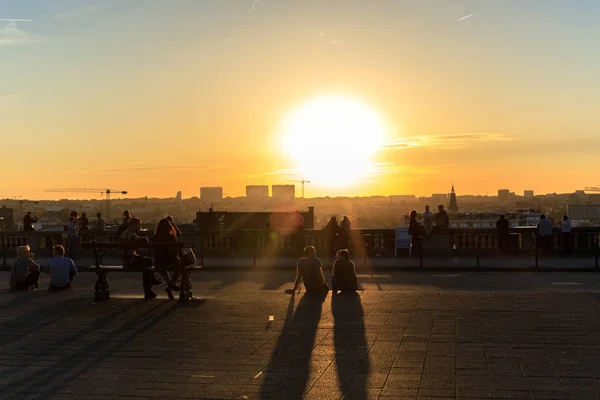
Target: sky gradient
[{"x": 155, "y": 96}]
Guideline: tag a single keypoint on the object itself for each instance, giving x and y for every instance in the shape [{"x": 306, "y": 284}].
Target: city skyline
[{"x": 153, "y": 97}]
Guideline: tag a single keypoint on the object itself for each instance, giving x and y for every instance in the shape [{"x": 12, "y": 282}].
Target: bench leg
[{"x": 102, "y": 286}]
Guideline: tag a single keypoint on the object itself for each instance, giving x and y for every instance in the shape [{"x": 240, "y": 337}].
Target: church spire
[{"x": 453, "y": 207}]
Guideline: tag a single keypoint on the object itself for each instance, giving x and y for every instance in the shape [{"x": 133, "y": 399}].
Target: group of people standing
[
  {"x": 416, "y": 230},
  {"x": 336, "y": 236}
]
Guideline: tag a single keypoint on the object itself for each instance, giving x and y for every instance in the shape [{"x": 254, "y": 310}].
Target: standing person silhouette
[{"x": 414, "y": 230}]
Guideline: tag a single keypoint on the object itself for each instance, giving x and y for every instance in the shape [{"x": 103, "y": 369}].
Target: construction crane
[
  {"x": 592, "y": 188},
  {"x": 303, "y": 182},
  {"x": 102, "y": 192},
  {"x": 17, "y": 199}
]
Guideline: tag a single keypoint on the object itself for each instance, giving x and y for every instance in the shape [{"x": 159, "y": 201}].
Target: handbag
[{"x": 187, "y": 257}]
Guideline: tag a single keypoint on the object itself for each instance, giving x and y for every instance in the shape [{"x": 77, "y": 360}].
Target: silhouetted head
[
  {"x": 58, "y": 251},
  {"x": 426, "y": 208},
  {"x": 310, "y": 252},
  {"x": 343, "y": 254},
  {"x": 29, "y": 213},
  {"x": 413, "y": 214},
  {"x": 542, "y": 217},
  {"x": 98, "y": 215},
  {"x": 73, "y": 214},
  {"x": 82, "y": 215},
  {"x": 346, "y": 218},
  {"x": 23, "y": 251},
  {"x": 165, "y": 228},
  {"x": 333, "y": 219},
  {"x": 126, "y": 214},
  {"x": 502, "y": 216},
  {"x": 565, "y": 218},
  {"x": 135, "y": 225},
  {"x": 441, "y": 207}
]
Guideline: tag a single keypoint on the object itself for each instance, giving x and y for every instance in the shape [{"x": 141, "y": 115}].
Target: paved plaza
[{"x": 405, "y": 335}]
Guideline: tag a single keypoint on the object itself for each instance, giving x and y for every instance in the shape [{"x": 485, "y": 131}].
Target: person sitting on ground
[
  {"x": 165, "y": 248},
  {"x": 62, "y": 270},
  {"x": 131, "y": 259},
  {"x": 310, "y": 270},
  {"x": 344, "y": 273},
  {"x": 25, "y": 273}
]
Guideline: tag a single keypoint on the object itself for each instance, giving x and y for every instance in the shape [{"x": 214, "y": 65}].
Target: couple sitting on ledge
[
  {"x": 310, "y": 270},
  {"x": 25, "y": 273}
]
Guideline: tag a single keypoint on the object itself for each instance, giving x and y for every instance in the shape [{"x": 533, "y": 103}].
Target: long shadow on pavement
[
  {"x": 350, "y": 343},
  {"x": 294, "y": 349},
  {"x": 71, "y": 367}
]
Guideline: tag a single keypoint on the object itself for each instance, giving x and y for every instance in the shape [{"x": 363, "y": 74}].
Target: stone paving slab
[{"x": 471, "y": 336}]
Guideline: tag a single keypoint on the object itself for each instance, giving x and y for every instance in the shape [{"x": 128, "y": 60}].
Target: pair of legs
[
  {"x": 502, "y": 242},
  {"x": 58, "y": 288},
  {"x": 416, "y": 245},
  {"x": 343, "y": 286},
  {"x": 148, "y": 278},
  {"x": 33, "y": 278}
]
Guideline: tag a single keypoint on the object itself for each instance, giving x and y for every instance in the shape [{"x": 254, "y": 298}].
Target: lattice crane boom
[{"x": 106, "y": 192}]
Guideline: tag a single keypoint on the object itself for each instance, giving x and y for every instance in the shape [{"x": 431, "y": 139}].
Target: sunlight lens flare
[{"x": 333, "y": 140}]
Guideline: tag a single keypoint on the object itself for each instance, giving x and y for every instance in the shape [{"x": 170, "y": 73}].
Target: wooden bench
[{"x": 102, "y": 287}]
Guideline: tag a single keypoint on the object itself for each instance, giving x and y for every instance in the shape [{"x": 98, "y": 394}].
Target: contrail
[
  {"x": 16, "y": 20},
  {"x": 466, "y": 16},
  {"x": 253, "y": 5}
]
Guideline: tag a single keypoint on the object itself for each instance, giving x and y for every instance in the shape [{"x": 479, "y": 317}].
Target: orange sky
[{"x": 194, "y": 95}]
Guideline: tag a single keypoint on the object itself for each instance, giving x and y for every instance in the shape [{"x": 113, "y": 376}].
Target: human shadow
[
  {"x": 290, "y": 365},
  {"x": 350, "y": 343}
]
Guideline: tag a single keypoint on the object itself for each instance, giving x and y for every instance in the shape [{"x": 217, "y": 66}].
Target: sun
[{"x": 333, "y": 140}]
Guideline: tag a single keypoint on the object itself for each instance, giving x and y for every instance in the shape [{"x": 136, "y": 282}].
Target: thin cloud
[
  {"x": 279, "y": 172},
  {"x": 11, "y": 34},
  {"x": 466, "y": 17},
  {"x": 452, "y": 141},
  {"x": 142, "y": 168},
  {"x": 391, "y": 168},
  {"x": 16, "y": 20},
  {"x": 80, "y": 12}
]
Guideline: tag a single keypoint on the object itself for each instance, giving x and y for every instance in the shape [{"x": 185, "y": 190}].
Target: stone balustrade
[{"x": 363, "y": 243}]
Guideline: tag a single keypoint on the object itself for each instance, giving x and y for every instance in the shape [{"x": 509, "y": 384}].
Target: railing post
[
  {"x": 477, "y": 239},
  {"x": 421, "y": 251},
  {"x": 596, "y": 250},
  {"x": 254, "y": 252},
  {"x": 537, "y": 251},
  {"x": 201, "y": 248},
  {"x": 4, "y": 250}
]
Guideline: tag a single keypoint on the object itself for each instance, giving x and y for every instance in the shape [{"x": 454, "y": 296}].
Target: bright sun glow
[{"x": 333, "y": 140}]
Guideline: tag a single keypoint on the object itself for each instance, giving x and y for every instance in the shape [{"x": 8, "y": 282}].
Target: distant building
[
  {"x": 6, "y": 219},
  {"x": 281, "y": 221},
  {"x": 528, "y": 193},
  {"x": 283, "y": 192},
  {"x": 503, "y": 195},
  {"x": 257, "y": 191},
  {"x": 453, "y": 207},
  {"x": 438, "y": 199},
  {"x": 403, "y": 198},
  {"x": 178, "y": 197},
  {"x": 210, "y": 194},
  {"x": 584, "y": 212}
]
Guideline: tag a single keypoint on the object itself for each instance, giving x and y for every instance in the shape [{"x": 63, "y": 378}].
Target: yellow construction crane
[{"x": 102, "y": 192}]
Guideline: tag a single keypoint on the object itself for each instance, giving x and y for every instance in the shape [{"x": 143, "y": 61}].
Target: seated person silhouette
[
  {"x": 25, "y": 273},
  {"x": 62, "y": 270},
  {"x": 344, "y": 273},
  {"x": 310, "y": 270}
]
